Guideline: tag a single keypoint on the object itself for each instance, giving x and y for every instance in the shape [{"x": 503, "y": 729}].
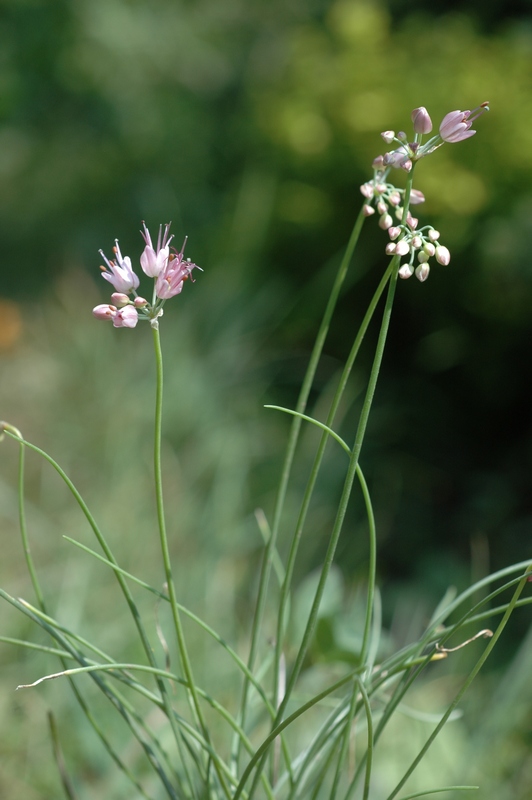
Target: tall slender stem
[
  {"x": 165, "y": 551},
  {"x": 285, "y": 588},
  {"x": 288, "y": 460},
  {"x": 342, "y": 509}
]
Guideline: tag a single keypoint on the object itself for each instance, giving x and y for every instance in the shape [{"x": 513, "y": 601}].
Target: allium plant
[{"x": 254, "y": 752}]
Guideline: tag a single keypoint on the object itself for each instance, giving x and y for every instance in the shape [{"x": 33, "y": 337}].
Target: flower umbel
[
  {"x": 454, "y": 127},
  {"x": 169, "y": 270}
]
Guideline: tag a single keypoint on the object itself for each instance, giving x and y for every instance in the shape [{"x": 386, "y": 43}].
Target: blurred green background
[{"x": 251, "y": 126}]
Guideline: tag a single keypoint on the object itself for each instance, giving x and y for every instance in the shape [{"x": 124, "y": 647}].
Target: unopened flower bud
[
  {"x": 367, "y": 210},
  {"x": 433, "y": 235},
  {"x": 390, "y": 249},
  {"x": 394, "y": 198},
  {"x": 140, "y": 302},
  {"x": 385, "y": 222},
  {"x": 422, "y": 272},
  {"x": 402, "y": 248},
  {"x": 406, "y": 271},
  {"x": 367, "y": 190},
  {"x": 388, "y": 136},
  {"x": 378, "y": 163},
  {"x": 422, "y": 257},
  {"x": 382, "y": 208},
  {"x": 416, "y": 197},
  {"x": 421, "y": 119},
  {"x": 394, "y": 232},
  {"x": 380, "y": 188},
  {"x": 120, "y": 299},
  {"x": 442, "y": 255},
  {"x": 399, "y": 212},
  {"x": 416, "y": 242},
  {"x": 406, "y": 165},
  {"x": 402, "y": 136},
  {"x": 429, "y": 249},
  {"x": 411, "y": 221}
]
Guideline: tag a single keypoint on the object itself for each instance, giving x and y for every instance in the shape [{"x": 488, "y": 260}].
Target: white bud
[
  {"x": 433, "y": 235},
  {"x": 388, "y": 136},
  {"x": 394, "y": 198},
  {"x": 422, "y": 257},
  {"x": 394, "y": 232},
  {"x": 390, "y": 249},
  {"x": 382, "y": 208},
  {"x": 429, "y": 248},
  {"x": 367, "y": 210},
  {"x": 406, "y": 271},
  {"x": 442, "y": 255},
  {"x": 402, "y": 248},
  {"x": 385, "y": 222},
  {"x": 416, "y": 242},
  {"x": 422, "y": 272}
]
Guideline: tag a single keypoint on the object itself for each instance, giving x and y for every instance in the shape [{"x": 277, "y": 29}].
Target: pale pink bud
[
  {"x": 140, "y": 302},
  {"x": 385, "y": 222},
  {"x": 394, "y": 198},
  {"x": 380, "y": 188},
  {"x": 456, "y": 125},
  {"x": 394, "y": 232},
  {"x": 416, "y": 197},
  {"x": 442, "y": 255},
  {"x": 126, "y": 317},
  {"x": 406, "y": 165},
  {"x": 406, "y": 271},
  {"x": 104, "y": 311},
  {"x": 402, "y": 136},
  {"x": 422, "y": 272},
  {"x": 367, "y": 190},
  {"x": 433, "y": 235},
  {"x": 421, "y": 119},
  {"x": 120, "y": 299},
  {"x": 402, "y": 248},
  {"x": 422, "y": 257},
  {"x": 429, "y": 248},
  {"x": 390, "y": 249},
  {"x": 367, "y": 210},
  {"x": 416, "y": 242},
  {"x": 382, "y": 208},
  {"x": 388, "y": 136},
  {"x": 411, "y": 221},
  {"x": 378, "y": 163}
]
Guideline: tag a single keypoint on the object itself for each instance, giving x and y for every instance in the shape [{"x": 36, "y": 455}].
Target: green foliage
[{"x": 251, "y": 126}]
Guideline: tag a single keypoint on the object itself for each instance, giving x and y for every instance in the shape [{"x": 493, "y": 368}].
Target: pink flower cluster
[
  {"x": 386, "y": 196},
  {"x": 423, "y": 244},
  {"x": 164, "y": 264},
  {"x": 454, "y": 127},
  {"x": 388, "y": 201}
]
